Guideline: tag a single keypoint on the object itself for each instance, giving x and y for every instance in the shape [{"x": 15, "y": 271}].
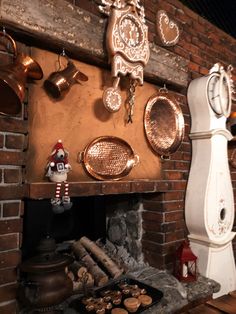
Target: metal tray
[
  {"x": 154, "y": 293},
  {"x": 108, "y": 158},
  {"x": 164, "y": 123}
]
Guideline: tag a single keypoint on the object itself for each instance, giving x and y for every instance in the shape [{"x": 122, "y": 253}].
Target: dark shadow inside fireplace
[{"x": 87, "y": 217}]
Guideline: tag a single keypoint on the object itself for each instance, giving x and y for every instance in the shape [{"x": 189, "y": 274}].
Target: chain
[{"x": 131, "y": 100}]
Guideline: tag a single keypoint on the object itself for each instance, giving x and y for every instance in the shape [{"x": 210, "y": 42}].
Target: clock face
[
  {"x": 130, "y": 31},
  {"x": 218, "y": 94}
]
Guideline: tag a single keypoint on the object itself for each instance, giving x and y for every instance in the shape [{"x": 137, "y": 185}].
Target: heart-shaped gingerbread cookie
[{"x": 167, "y": 29}]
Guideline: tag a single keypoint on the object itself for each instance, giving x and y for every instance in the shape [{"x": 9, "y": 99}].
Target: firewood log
[
  {"x": 74, "y": 268},
  {"x": 71, "y": 275},
  {"x": 102, "y": 257},
  {"x": 100, "y": 278}
]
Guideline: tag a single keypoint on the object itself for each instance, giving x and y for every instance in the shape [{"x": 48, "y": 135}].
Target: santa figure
[{"x": 57, "y": 170}]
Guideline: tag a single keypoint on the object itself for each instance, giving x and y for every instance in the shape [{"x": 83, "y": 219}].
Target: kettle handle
[{"x": 12, "y": 41}]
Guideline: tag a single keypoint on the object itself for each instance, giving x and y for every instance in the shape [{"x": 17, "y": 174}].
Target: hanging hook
[
  {"x": 4, "y": 30},
  {"x": 62, "y": 54},
  {"x": 163, "y": 89}
]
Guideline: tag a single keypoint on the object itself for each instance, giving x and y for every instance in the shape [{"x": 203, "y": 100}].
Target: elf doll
[{"x": 57, "y": 170}]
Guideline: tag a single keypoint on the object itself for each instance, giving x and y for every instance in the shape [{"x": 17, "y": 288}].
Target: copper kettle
[
  {"x": 59, "y": 82},
  {"x": 45, "y": 282},
  {"x": 13, "y": 78}
]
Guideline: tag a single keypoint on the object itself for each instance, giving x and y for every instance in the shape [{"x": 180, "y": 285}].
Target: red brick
[
  {"x": 10, "y": 259},
  {"x": 12, "y": 176},
  {"x": 181, "y": 52},
  {"x": 10, "y": 226},
  {"x": 151, "y": 226},
  {"x": 204, "y": 71},
  {"x": 174, "y": 236},
  {"x": 173, "y": 205},
  {"x": 9, "y": 242},
  {"x": 8, "y": 276},
  {"x": 171, "y": 9},
  {"x": 8, "y": 292},
  {"x": 8, "y": 124},
  {"x": 9, "y": 308},
  {"x": 174, "y": 216},
  {"x": 14, "y": 141},
  {"x": 152, "y": 205},
  {"x": 1, "y": 140},
  {"x": 12, "y": 158},
  {"x": 168, "y": 165},
  {"x": 157, "y": 237},
  {"x": 186, "y": 156},
  {"x": 197, "y": 60},
  {"x": 11, "y": 209},
  {"x": 168, "y": 227},
  {"x": 12, "y": 193},
  {"x": 173, "y": 175},
  {"x": 193, "y": 67},
  {"x": 179, "y": 185},
  {"x": 170, "y": 196},
  {"x": 166, "y": 248},
  {"x": 198, "y": 43},
  {"x": 181, "y": 17},
  {"x": 154, "y": 196},
  {"x": 182, "y": 165},
  {"x": 153, "y": 216}
]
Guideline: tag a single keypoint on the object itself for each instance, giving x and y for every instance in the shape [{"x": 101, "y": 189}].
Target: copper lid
[{"x": 47, "y": 259}]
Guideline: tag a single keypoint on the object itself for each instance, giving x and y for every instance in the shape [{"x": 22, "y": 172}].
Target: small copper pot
[{"x": 46, "y": 284}]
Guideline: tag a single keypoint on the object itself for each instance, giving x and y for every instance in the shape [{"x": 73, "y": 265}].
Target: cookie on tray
[
  {"x": 145, "y": 299},
  {"x": 118, "y": 310},
  {"x": 132, "y": 304}
]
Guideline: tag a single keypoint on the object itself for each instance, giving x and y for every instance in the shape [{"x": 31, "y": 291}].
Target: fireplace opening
[
  {"x": 86, "y": 217},
  {"x": 116, "y": 218}
]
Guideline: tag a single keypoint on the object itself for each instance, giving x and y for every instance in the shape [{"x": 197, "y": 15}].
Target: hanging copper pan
[
  {"x": 164, "y": 123},
  {"x": 108, "y": 158}
]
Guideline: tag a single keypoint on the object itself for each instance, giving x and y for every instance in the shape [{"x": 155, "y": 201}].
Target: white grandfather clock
[{"x": 209, "y": 204}]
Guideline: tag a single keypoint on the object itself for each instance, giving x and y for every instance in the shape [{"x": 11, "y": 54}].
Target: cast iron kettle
[{"x": 46, "y": 284}]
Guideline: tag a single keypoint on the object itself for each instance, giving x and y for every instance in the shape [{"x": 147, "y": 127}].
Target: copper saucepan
[{"x": 13, "y": 78}]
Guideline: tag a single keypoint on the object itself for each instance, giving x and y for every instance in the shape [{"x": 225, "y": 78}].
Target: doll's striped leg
[{"x": 66, "y": 199}]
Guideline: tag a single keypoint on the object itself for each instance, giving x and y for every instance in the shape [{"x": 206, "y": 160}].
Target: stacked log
[{"x": 92, "y": 266}]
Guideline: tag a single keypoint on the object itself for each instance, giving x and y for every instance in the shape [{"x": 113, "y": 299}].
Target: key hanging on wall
[{"x": 128, "y": 49}]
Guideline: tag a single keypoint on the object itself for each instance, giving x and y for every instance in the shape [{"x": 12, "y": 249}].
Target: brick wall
[
  {"x": 12, "y": 161},
  {"x": 202, "y": 44}
]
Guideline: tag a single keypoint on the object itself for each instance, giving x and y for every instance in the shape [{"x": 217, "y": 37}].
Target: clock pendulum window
[{"x": 209, "y": 203}]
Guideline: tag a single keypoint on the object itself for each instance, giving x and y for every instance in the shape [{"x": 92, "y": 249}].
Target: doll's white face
[{"x": 61, "y": 154}]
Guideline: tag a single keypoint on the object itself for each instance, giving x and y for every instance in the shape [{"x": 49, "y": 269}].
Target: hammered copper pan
[
  {"x": 108, "y": 158},
  {"x": 164, "y": 123}
]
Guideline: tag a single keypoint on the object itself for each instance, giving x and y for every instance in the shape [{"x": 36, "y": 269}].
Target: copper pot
[
  {"x": 13, "y": 78},
  {"x": 46, "y": 284}
]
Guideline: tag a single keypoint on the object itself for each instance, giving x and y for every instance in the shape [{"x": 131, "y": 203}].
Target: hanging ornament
[
  {"x": 57, "y": 170},
  {"x": 128, "y": 48},
  {"x": 167, "y": 29}
]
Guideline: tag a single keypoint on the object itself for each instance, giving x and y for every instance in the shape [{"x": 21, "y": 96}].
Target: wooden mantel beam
[{"x": 58, "y": 24}]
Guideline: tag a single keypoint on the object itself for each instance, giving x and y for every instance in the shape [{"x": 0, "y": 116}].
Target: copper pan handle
[
  {"x": 136, "y": 159},
  {"x": 12, "y": 41},
  {"x": 80, "y": 157}
]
